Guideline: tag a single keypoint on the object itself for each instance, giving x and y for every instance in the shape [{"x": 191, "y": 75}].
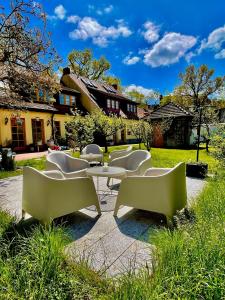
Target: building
[
  {"x": 27, "y": 126},
  {"x": 178, "y": 126},
  {"x": 96, "y": 94}
]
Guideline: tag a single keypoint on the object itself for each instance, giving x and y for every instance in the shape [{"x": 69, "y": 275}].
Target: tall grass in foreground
[
  {"x": 33, "y": 265},
  {"x": 190, "y": 260}
]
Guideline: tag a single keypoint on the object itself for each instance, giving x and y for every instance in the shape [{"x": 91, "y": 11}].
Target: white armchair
[
  {"x": 135, "y": 163},
  {"x": 68, "y": 165},
  {"x": 120, "y": 153},
  {"x": 92, "y": 148},
  {"x": 159, "y": 190},
  {"x": 48, "y": 195}
]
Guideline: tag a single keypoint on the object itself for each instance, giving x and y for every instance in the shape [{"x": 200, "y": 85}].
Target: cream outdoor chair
[
  {"x": 159, "y": 190},
  {"x": 135, "y": 163},
  {"x": 93, "y": 149},
  {"x": 120, "y": 153},
  {"x": 69, "y": 166},
  {"x": 48, "y": 195}
]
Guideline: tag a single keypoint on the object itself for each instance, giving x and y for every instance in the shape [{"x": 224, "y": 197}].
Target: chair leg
[
  {"x": 169, "y": 221},
  {"x": 108, "y": 181},
  {"x": 23, "y": 214},
  {"x": 46, "y": 222},
  {"x": 116, "y": 209},
  {"x": 98, "y": 209}
]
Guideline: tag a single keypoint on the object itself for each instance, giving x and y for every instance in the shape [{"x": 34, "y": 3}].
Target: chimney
[
  {"x": 66, "y": 71},
  {"x": 115, "y": 86}
]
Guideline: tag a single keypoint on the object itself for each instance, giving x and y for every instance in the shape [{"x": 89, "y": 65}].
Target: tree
[
  {"x": 26, "y": 54},
  {"x": 218, "y": 142},
  {"x": 197, "y": 87},
  {"x": 112, "y": 80},
  {"x": 80, "y": 131},
  {"x": 82, "y": 63},
  {"x": 143, "y": 131},
  {"x": 106, "y": 126},
  {"x": 141, "y": 98}
]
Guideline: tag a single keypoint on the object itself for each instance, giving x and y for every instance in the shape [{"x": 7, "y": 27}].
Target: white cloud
[
  {"x": 169, "y": 49},
  {"x": 220, "y": 55},
  {"x": 108, "y": 9},
  {"x": 73, "y": 19},
  {"x": 129, "y": 60},
  {"x": 189, "y": 56},
  {"x": 105, "y": 10},
  {"x": 88, "y": 27},
  {"x": 215, "y": 42},
  {"x": 151, "y": 33},
  {"x": 215, "y": 39},
  {"x": 60, "y": 12},
  {"x": 146, "y": 92}
]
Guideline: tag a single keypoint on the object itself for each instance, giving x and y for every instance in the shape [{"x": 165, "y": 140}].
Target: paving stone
[{"x": 114, "y": 245}]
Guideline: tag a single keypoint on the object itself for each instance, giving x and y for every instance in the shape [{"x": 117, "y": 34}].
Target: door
[
  {"x": 18, "y": 134},
  {"x": 38, "y": 132}
]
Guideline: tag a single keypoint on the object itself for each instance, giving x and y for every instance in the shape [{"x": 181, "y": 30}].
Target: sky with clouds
[{"x": 148, "y": 42}]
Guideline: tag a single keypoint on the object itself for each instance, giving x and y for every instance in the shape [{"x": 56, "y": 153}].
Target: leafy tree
[
  {"x": 143, "y": 131},
  {"x": 82, "y": 63},
  {"x": 218, "y": 142},
  {"x": 80, "y": 131},
  {"x": 112, "y": 80},
  {"x": 26, "y": 54},
  {"x": 141, "y": 98},
  {"x": 106, "y": 126},
  {"x": 197, "y": 86}
]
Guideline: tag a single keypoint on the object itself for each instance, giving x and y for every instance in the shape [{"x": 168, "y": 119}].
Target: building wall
[{"x": 5, "y": 129}]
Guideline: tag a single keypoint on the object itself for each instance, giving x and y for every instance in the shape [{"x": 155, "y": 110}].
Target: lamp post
[{"x": 199, "y": 131}]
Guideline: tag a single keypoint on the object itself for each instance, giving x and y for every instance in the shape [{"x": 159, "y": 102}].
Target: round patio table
[{"x": 111, "y": 172}]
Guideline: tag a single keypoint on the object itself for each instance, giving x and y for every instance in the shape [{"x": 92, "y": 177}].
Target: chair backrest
[
  {"x": 135, "y": 158},
  {"x": 92, "y": 148},
  {"x": 59, "y": 158}
]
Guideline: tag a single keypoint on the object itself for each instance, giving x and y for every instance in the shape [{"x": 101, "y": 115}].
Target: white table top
[{"x": 111, "y": 172}]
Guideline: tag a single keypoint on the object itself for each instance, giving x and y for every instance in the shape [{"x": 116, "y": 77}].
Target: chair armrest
[
  {"x": 50, "y": 166},
  {"x": 119, "y": 162},
  {"x": 54, "y": 174},
  {"x": 156, "y": 171},
  {"x": 77, "y": 164}
]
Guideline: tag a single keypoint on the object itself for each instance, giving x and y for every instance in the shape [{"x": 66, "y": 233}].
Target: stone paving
[{"x": 110, "y": 245}]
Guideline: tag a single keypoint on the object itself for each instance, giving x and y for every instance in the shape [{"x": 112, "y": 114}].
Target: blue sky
[{"x": 148, "y": 42}]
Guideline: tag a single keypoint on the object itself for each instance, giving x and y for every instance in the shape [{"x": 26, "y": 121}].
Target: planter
[{"x": 198, "y": 170}]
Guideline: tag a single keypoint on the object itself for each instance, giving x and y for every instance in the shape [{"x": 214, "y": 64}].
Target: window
[
  {"x": 61, "y": 99},
  {"x": 117, "y": 104},
  {"x": 18, "y": 133},
  {"x": 113, "y": 104},
  {"x": 128, "y": 107},
  {"x": 67, "y": 97},
  {"x": 108, "y": 103},
  {"x": 73, "y": 100},
  {"x": 57, "y": 129}
]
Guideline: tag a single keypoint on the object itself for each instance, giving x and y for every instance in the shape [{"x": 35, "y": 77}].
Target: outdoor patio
[{"x": 112, "y": 245}]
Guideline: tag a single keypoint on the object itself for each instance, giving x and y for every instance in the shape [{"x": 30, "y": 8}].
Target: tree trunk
[
  {"x": 207, "y": 145},
  {"x": 106, "y": 146}
]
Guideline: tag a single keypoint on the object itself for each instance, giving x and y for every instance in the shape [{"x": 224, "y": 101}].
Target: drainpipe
[{"x": 52, "y": 124}]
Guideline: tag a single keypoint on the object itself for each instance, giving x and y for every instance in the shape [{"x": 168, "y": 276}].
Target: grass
[
  {"x": 33, "y": 265},
  {"x": 189, "y": 261},
  {"x": 160, "y": 158}
]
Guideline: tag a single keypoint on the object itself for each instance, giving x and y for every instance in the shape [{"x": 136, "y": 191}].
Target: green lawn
[{"x": 160, "y": 158}]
